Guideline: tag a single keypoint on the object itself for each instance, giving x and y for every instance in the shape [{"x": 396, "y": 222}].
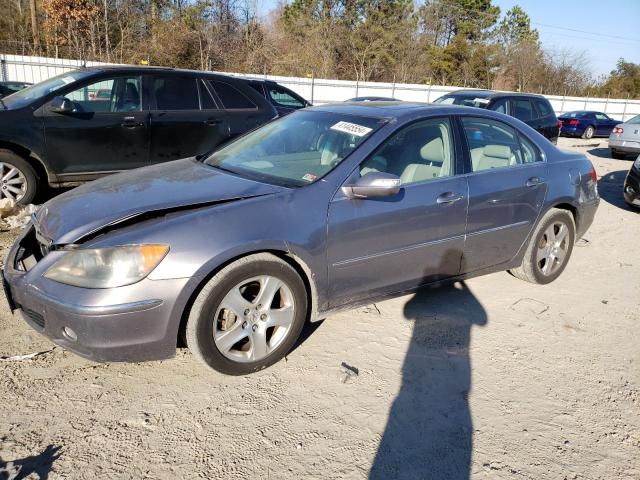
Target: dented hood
[{"x": 168, "y": 186}]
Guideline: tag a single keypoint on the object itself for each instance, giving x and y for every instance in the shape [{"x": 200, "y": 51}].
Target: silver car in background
[{"x": 625, "y": 138}]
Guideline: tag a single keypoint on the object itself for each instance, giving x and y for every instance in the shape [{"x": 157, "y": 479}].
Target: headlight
[
  {"x": 107, "y": 267},
  {"x": 636, "y": 164}
]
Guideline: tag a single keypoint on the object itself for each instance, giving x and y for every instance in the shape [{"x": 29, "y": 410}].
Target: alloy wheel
[
  {"x": 13, "y": 183},
  {"x": 552, "y": 248},
  {"x": 253, "y": 319}
]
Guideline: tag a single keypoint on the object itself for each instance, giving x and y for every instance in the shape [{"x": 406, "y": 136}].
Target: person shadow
[
  {"x": 39, "y": 465},
  {"x": 429, "y": 431}
]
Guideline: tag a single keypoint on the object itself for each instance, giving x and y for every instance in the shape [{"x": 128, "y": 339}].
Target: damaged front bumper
[{"x": 131, "y": 323}]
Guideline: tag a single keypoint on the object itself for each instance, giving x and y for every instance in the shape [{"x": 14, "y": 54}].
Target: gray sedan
[
  {"x": 625, "y": 138},
  {"x": 325, "y": 209}
]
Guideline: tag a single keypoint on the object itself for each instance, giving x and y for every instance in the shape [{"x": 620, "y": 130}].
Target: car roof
[
  {"x": 492, "y": 94},
  {"x": 396, "y": 109},
  {"x": 142, "y": 69}
]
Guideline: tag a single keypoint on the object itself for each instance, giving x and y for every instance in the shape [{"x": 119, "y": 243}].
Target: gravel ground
[{"x": 493, "y": 378}]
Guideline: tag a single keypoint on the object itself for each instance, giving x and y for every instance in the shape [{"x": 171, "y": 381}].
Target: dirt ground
[{"x": 493, "y": 378}]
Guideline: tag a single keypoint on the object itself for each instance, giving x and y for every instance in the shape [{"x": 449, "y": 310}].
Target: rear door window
[
  {"x": 231, "y": 97},
  {"x": 500, "y": 105},
  {"x": 521, "y": 109},
  {"x": 176, "y": 93},
  {"x": 493, "y": 144},
  {"x": 544, "y": 108}
]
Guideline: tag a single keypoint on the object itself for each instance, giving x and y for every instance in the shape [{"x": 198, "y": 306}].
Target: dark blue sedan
[{"x": 586, "y": 124}]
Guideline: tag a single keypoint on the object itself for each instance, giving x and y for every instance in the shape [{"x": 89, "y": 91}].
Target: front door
[
  {"x": 507, "y": 187},
  {"x": 107, "y": 131},
  {"x": 385, "y": 245},
  {"x": 185, "y": 120}
]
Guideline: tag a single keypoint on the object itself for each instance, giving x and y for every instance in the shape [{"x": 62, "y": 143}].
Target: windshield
[
  {"x": 466, "y": 100},
  {"x": 34, "y": 92},
  {"x": 634, "y": 120},
  {"x": 295, "y": 150}
]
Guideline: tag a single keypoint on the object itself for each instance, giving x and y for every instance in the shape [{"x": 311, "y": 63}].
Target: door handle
[
  {"x": 213, "y": 121},
  {"x": 534, "y": 182},
  {"x": 449, "y": 198},
  {"x": 130, "y": 122}
]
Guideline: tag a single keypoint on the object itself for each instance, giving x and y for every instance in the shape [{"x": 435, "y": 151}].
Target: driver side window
[
  {"x": 419, "y": 152},
  {"x": 121, "y": 94}
]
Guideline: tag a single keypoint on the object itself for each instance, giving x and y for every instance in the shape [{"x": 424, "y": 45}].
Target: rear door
[
  {"x": 105, "y": 133},
  {"x": 547, "y": 122},
  {"x": 185, "y": 119},
  {"x": 507, "y": 187}
]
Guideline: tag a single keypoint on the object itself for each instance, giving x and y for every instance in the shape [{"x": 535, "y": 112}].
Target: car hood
[{"x": 161, "y": 188}]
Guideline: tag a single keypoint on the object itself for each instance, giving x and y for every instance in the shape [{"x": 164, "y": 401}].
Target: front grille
[{"x": 35, "y": 317}]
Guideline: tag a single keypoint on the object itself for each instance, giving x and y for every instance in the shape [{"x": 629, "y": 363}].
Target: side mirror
[
  {"x": 61, "y": 105},
  {"x": 373, "y": 185}
]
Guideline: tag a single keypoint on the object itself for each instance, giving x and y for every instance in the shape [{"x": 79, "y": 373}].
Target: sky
[{"x": 605, "y": 31}]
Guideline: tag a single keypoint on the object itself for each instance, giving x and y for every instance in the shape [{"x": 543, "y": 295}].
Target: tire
[
  {"x": 588, "y": 133},
  {"x": 16, "y": 169},
  {"x": 229, "y": 339},
  {"x": 618, "y": 155},
  {"x": 535, "y": 267}
]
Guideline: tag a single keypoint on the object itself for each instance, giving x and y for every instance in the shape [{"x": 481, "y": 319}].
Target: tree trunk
[{"x": 34, "y": 23}]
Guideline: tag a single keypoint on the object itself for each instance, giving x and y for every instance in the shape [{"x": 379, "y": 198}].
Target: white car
[{"x": 625, "y": 138}]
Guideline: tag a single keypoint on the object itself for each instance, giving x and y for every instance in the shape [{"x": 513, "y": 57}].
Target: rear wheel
[
  {"x": 618, "y": 155},
  {"x": 549, "y": 249},
  {"x": 248, "y": 316},
  {"x": 18, "y": 179},
  {"x": 588, "y": 133}
]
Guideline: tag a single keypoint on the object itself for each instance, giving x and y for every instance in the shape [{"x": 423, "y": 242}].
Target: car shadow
[
  {"x": 429, "y": 431},
  {"x": 600, "y": 152},
  {"x": 610, "y": 189},
  {"x": 40, "y": 465}
]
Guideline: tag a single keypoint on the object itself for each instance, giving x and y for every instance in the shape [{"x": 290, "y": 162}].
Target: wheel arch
[
  {"x": 29, "y": 156},
  {"x": 298, "y": 264}
]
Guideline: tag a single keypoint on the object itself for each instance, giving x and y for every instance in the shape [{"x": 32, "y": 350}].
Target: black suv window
[
  {"x": 283, "y": 97},
  {"x": 176, "y": 93},
  {"x": 206, "y": 100},
  {"x": 231, "y": 97},
  {"x": 543, "y": 107},
  {"x": 521, "y": 109},
  {"x": 121, "y": 94}
]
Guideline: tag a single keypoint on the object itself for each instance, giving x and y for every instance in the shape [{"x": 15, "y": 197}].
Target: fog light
[{"x": 69, "y": 334}]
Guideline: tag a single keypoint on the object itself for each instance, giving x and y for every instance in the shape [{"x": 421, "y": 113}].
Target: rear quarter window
[{"x": 231, "y": 97}]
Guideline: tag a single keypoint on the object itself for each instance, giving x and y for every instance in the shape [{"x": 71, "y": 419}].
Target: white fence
[{"x": 318, "y": 91}]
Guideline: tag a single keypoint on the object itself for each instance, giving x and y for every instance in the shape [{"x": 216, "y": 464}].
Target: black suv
[
  {"x": 95, "y": 121},
  {"x": 284, "y": 100},
  {"x": 534, "y": 110}
]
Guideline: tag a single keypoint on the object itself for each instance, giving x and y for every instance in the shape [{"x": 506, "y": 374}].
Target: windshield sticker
[
  {"x": 67, "y": 80},
  {"x": 309, "y": 177},
  {"x": 351, "y": 128}
]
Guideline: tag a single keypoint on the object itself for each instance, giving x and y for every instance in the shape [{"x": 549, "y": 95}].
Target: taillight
[
  {"x": 573, "y": 122},
  {"x": 618, "y": 130},
  {"x": 559, "y": 124},
  {"x": 593, "y": 174}
]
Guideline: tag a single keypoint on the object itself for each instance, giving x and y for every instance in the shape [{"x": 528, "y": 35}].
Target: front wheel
[
  {"x": 549, "y": 249},
  {"x": 588, "y": 133},
  {"x": 248, "y": 316}
]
